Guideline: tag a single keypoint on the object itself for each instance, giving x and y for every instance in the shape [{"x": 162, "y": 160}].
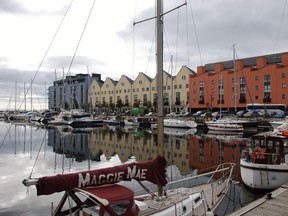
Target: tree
[{"x": 119, "y": 103}]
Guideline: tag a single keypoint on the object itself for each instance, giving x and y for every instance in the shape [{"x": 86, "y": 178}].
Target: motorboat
[{"x": 264, "y": 163}]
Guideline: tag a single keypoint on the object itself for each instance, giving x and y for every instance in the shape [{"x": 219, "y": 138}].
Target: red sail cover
[{"x": 153, "y": 171}]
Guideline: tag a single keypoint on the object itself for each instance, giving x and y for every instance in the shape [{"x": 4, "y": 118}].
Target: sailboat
[{"x": 97, "y": 192}]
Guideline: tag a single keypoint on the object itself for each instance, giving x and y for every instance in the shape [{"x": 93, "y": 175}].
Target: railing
[{"x": 269, "y": 158}]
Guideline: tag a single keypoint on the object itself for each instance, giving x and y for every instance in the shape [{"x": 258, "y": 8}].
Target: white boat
[
  {"x": 26, "y": 116},
  {"x": 85, "y": 122},
  {"x": 179, "y": 123},
  {"x": 96, "y": 192},
  {"x": 131, "y": 121},
  {"x": 282, "y": 127},
  {"x": 225, "y": 125},
  {"x": 61, "y": 119},
  {"x": 265, "y": 164},
  {"x": 179, "y": 131},
  {"x": 276, "y": 124},
  {"x": 114, "y": 121}
]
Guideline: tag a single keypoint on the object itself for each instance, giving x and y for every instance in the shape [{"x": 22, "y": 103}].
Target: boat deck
[
  {"x": 176, "y": 196},
  {"x": 275, "y": 205}
]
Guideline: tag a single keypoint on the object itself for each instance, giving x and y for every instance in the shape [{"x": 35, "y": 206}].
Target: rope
[
  {"x": 5, "y": 136},
  {"x": 38, "y": 155},
  {"x": 47, "y": 51},
  {"x": 81, "y": 37}
]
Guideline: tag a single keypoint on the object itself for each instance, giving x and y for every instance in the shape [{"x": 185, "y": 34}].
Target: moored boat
[
  {"x": 179, "y": 123},
  {"x": 102, "y": 195},
  {"x": 264, "y": 164}
]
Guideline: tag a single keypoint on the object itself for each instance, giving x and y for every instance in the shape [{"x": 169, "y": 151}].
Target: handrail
[{"x": 230, "y": 168}]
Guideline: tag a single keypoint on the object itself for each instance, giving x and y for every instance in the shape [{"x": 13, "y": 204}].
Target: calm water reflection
[{"x": 31, "y": 150}]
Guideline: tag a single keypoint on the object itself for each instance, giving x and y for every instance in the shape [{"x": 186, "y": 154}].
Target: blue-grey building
[{"x": 71, "y": 92}]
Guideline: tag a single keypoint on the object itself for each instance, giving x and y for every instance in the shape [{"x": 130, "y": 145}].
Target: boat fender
[
  {"x": 209, "y": 212},
  {"x": 274, "y": 158}
]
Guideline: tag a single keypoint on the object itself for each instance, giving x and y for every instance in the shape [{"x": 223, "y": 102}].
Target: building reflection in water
[{"x": 188, "y": 151}]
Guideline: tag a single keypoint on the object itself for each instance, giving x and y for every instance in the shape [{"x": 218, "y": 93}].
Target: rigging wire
[
  {"x": 187, "y": 37},
  {"x": 79, "y": 41},
  {"x": 37, "y": 155},
  {"x": 279, "y": 27},
  {"x": 196, "y": 34},
  {"x": 43, "y": 58}
]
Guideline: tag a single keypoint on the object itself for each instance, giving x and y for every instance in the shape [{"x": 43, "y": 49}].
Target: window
[
  {"x": 180, "y": 86},
  {"x": 183, "y": 77},
  {"x": 256, "y": 87},
  {"x": 267, "y": 88},
  {"x": 283, "y": 96},
  {"x": 135, "y": 98},
  {"x": 256, "y": 78},
  {"x": 283, "y": 85},
  {"x": 140, "y": 82},
  {"x": 283, "y": 75}
]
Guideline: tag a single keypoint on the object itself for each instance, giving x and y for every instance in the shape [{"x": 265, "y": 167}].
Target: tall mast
[
  {"x": 24, "y": 97},
  {"x": 31, "y": 96},
  {"x": 234, "y": 65},
  {"x": 159, "y": 54},
  {"x": 16, "y": 95}
]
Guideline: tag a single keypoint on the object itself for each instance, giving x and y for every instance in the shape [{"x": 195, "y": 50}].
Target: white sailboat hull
[
  {"x": 263, "y": 176},
  {"x": 179, "y": 123},
  {"x": 224, "y": 126}
]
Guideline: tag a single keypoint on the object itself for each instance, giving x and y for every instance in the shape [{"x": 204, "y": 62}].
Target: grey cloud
[{"x": 12, "y": 6}]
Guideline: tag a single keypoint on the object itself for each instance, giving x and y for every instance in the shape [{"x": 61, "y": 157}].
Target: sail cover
[{"x": 153, "y": 171}]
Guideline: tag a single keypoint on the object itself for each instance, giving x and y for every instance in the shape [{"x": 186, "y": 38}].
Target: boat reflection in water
[{"x": 188, "y": 150}]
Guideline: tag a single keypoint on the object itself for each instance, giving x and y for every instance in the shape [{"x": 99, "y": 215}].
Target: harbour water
[{"x": 31, "y": 150}]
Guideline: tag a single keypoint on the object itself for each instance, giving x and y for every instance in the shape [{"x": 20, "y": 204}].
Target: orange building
[{"x": 262, "y": 79}]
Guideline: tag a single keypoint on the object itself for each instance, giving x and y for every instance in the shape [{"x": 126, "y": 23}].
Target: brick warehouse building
[{"x": 262, "y": 79}]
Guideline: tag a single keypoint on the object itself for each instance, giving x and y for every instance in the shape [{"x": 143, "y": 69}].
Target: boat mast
[
  {"x": 159, "y": 59},
  {"x": 234, "y": 65},
  {"x": 159, "y": 56}
]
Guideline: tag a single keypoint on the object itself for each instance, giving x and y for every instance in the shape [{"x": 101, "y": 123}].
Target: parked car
[
  {"x": 251, "y": 114},
  {"x": 241, "y": 113},
  {"x": 199, "y": 113},
  {"x": 151, "y": 114}
]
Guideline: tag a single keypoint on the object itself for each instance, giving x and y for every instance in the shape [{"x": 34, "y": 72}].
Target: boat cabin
[{"x": 269, "y": 148}]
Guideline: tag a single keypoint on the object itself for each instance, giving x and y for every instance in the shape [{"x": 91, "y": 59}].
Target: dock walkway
[{"x": 274, "y": 205}]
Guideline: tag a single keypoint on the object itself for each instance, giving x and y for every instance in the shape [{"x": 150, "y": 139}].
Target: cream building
[{"x": 142, "y": 92}]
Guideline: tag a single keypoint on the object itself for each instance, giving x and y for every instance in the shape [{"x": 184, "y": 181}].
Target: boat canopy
[
  {"x": 153, "y": 171},
  {"x": 109, "y": 195}
]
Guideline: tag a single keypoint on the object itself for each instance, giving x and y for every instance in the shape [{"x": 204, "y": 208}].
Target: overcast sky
[{"x": 197, "y": 34}]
